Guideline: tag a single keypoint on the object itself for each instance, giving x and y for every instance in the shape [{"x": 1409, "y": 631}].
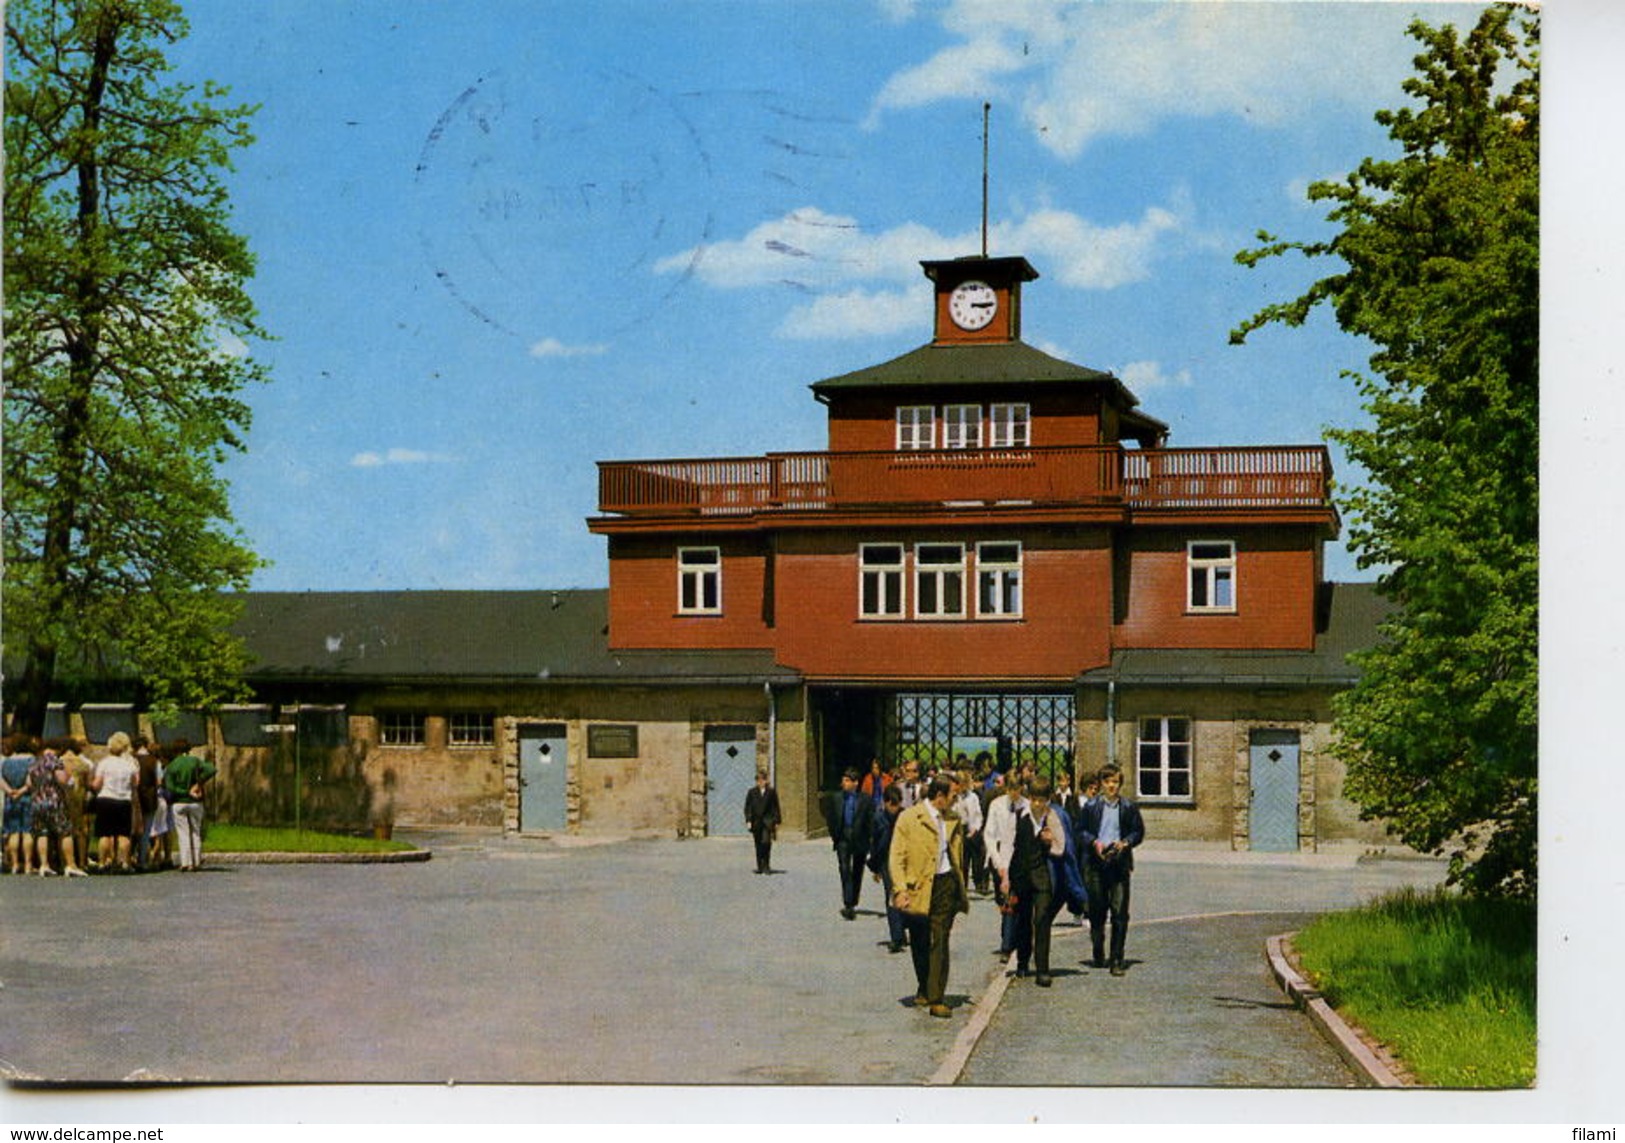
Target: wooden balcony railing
[{"x": 1063, "y": 474}]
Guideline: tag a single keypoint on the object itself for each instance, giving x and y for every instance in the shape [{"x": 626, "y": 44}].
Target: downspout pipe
[
  {"x": 1111, "y": 720},
  {"x": 772, "y": 735}
]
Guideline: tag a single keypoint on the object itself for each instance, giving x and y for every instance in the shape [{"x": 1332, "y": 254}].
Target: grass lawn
[
  {"x": 1447, "y": 983},
  {"x": 222, "y": 838}
]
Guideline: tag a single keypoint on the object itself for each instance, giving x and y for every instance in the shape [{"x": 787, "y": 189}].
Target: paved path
[{"x": 518, "y": 960}]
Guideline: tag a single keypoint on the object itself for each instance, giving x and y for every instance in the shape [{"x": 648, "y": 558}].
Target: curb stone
[
  {"x": 1371, "y": 1068},
  {"x": 401, "y": 857}
]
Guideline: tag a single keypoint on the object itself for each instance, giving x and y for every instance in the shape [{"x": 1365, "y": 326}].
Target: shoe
[
  {"x": 47, "y": 872},
  {"x": 941, "y": 1010},
  {"x": 1118, "y": 969},
  {"x": 895, "y": 947},
  {"x": 1022, "y": 972},
  {"x": 75, "y": 871},
  {"x": 1043, "y": 980},
  {"x": 849, "y": 913},
  {"x": 920, "y": 1001}
]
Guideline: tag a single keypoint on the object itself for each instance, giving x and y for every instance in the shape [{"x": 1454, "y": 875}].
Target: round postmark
[{"x": 550, "y": 210}]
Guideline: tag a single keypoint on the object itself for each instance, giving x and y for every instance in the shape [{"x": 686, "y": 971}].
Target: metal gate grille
[{"x": 1013, "y": 728}]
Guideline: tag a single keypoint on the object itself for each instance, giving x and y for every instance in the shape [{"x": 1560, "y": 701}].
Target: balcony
[{"x": 1288, "y": 477}]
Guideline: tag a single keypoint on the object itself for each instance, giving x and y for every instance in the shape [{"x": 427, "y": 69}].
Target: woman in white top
[{"x": 114, "y": 784}]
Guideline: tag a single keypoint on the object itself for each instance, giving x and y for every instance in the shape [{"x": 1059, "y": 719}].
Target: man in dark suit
[
  {"x": 880, "y": 863},
  {"x": 850, "y": 818},
  {"x": 1040, "y": 836},
  {"x": 762, "y": 819},
  {"x": 1108, "y": 830}
]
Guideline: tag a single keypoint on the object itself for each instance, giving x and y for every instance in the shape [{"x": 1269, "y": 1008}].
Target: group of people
[
  {"x": 143, "y": 806},
  {"x": 1029, "y": 841}
]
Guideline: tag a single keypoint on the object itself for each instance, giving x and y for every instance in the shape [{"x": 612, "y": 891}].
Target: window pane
[
  {"x": 1211, "y": 551},
  {"x": 1223, "y": 596},
  {"x": 1179, "y": 784},
  {"x": 999, "y": 553},
  {"x": 708, "y": 585},
  {"x": 941, "y": 554},
  {"x": 953, "y": 593},
  {"x": 1179, "y": 730},
  {"x": 1198, "y": 587},
  {"x": 928, "y": 594},
  {"x": 1151, "y": 783},
  {"x": 1179, "y": 757}
]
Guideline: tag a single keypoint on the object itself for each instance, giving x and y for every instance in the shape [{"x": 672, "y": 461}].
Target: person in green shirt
[{"x": 185, "y": 777}]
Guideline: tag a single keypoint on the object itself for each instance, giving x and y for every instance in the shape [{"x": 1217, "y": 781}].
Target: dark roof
[
  {"x": 1355, "y": 610},
  {"x": 496, "y": 636},
  {"x": 996, "y": 363}
]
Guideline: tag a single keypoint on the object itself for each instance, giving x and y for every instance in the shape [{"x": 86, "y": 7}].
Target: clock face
[{"x": 972, "y": 305}]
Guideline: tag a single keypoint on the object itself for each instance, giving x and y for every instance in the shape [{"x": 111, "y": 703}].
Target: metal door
[
  {"x": 1274, "y": 816},
  {"x": 730, "y": 772},
  {"x": 543, "y": 766}
]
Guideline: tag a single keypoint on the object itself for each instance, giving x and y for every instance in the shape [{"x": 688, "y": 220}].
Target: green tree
[
  {"x": 127, "y": 328},
  {"x": 1439, "y": 249}
]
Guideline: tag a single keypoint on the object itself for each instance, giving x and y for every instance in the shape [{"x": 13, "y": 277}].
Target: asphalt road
[{"x": 635, "y": 962}]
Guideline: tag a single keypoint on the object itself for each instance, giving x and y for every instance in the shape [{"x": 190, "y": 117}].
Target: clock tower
[{"x": 978, "y": 299}]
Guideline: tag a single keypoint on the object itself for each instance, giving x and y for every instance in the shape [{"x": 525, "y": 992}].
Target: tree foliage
[
  {"x": 127, "y": 327},
  {"x": 1439, "y": 249}
]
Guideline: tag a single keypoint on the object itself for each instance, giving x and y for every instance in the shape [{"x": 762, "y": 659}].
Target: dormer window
[
  {"x": 916, "y": 427},
  {"x": 962, "y": 426},
  {"x": 1211, "y": 565},
  {"x": 1010, "y": 426},
  {"x": 699, "y": 581}
]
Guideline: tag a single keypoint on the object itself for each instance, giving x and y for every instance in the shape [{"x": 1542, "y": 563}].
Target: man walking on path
[
  {"x": 1040, "y": 837},
  {"x": 928, "y": 885},
  {"x": 1109, "y": 830},
  {"x": 850, "y": 818},
  {"x": 880, "y": 864},
  {"x": 1000, "y": 832},
  {"x": 762, "y": 819}
]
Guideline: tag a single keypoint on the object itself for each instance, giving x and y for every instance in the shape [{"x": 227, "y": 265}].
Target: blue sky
[{"x": 501, "y": 240}]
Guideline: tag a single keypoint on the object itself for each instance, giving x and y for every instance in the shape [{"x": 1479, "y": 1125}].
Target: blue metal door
[
  {"x": 730, "y": 772},
  {"x": 543, "y": 766},
  {"x": 1274, "y": 816}
]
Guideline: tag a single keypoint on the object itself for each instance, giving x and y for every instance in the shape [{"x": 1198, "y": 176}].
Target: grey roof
[
  {"x": 492, "y": 636},
  {"x": 996, "y": 363},
  {"x": 993, "y": 363},
  {"x": 1354, "y": 612}
]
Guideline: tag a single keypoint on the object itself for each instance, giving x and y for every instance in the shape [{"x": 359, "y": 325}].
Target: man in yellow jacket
[{"x": 928, "y": 885}]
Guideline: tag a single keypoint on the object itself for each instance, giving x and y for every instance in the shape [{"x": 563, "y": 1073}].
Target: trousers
[{"x": 928, "y": 938}]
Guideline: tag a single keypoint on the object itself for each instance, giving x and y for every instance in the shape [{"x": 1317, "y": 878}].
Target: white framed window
[
  {"x": 401, "y": 728},
  {"x": 1211, "y": 579},
  {"x": 939, "y": 581},
  {"x": 1163, "y": 759},
  {"x": 962, "y": 426},
  {"x": 470, "y": 728},
  {"x": 916, "y": 427},
  {"x": 699, "y": 581},
  {"x": 880, "y": 581},
  {"x": 998, "y": 580},
  {"x": 1010, "y": 426}
]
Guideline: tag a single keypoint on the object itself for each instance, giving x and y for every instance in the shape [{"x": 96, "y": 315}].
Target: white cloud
[
  {"x": 867, "y": 284},
  {"x": 1081, "y": 70},
  {"x": 397, "y": 456},
  {"x": 1141, "y": 376},
  {"x": 966, "y": 70},
  {"x": 553, "y": 347},
  {"x": 858, "y": 313}
]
